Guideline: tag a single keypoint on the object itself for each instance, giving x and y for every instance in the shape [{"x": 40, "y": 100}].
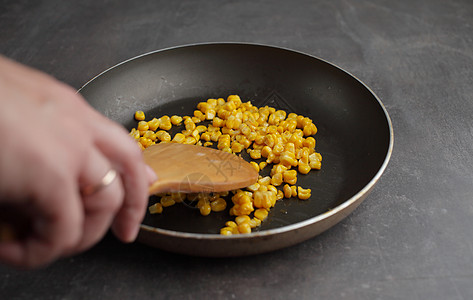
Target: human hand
[{"x": 53, "y": 144}]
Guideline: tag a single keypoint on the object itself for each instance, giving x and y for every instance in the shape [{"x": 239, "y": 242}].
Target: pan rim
[{"x": 287, "y": 228}]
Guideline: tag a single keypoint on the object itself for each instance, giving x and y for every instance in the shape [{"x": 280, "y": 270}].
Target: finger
[
  {"x": 101, "y": 206},
  {"x": 119, "y": 148},
  {"x": 56, "y": 226}
]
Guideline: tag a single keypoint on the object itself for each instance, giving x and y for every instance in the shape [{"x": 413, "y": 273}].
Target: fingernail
[{"x": 152, "y": 177}]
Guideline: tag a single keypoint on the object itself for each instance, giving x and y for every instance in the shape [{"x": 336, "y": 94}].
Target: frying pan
[{"x": 355, "y": 135}]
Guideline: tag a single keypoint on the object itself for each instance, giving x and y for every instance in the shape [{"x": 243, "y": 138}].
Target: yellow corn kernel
[
  {"x": 231, "y": 224},
  {"x": 290, "y": 176},
  {"x": 226, "y": 231},
  {"x": 143, "y": 126},
  {"x": 218, "y": 205},
  {"x": 237, "y": 147},
  {"x": 245, "y": 142},
  {"x": 189, "y": 124},
  {"x": 266, "y": 151},
  {"x": 205, "y": 209},
  {"x": 309, "y": 142},
  {"x": 167, "y": 201},
  {"x": 203, "y": 106},
  {"x": 227, "y": 149},
  {"x": 244, "y": 228},
  {"x": 207, "y": 144},
  {"x": 200, "y": 115},
  {"x": 303, "y": 168},
  {"x": 279, "y": 195},
  {"x": 277, "y": 179},
  {"x": 235, "y": 99},
  {"x": 165, "y": 125},
  {"x": 135, "y": 134},
  {"x": 215, "y": 135},
  {"x": 156, "y": 208},
  {"x": 255, "y": 166},
  {"x": 178, "y": 197},
  {"x": 255, "y": 222},
  {"x": 287, "y": 191},
  {"x": 287, "y": 159},
  {"x": 303, "y": 194},
  {"x": 149, "y": 135},
  {"x": 261, "y": 214},
  {"x": 210, "y": 114},
  {"x": 206, "y": 136},
  {"x": 245, "y": 208},
  {"x": 272, "y": 188},
  {"x": 163, "y": 136},
  {"x": 139, "y": 115},
  {"x": 315, "y": 165},
  {"x": 145, "y": 142},
  {"x": 217, "y": 122},
  {"x": 294, "y": 191},
  {"x": 262, "y": 188},
  {"x": 154, "y": 124},
  {"x": 201, "y": 128},
  {"x": 255, "y": 154},
  {"x": 265, "y": 180},
  {"x": 315, "y": 160},
  {"x": 259, "y": 139},
  {"x": 176, "y": 120},
  {"x": 242, "y": 219},
  {"x": 262, "y": 165},
  {"x": 269, "y": 140},
  {"x": 278, "y": 169},
  {"x": 212, "y": 102},
  {"x": 190, "y": 140}
]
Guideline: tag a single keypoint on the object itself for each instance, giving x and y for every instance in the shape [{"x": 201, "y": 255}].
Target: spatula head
[{"x": 192, "y": 169}]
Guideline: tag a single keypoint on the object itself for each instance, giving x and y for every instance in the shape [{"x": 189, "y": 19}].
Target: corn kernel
[
  {"x": 277, "y": 179},
  {"x": 237, "y": 147},
  {"x": 242, "y": 219},
  {"x": 255, "y": 222},
  {"x": 139, "y": 115},
  {"x": 255, "y": 154},
  {"x": 287, "y": 191},
  {"x": 156, "y": 208},
  {"x": 167, "y": 201},
  {"x": 226, "y": 231},
  {"x": 303, "y": 194},
  {"x": 163, "y": 136},
  {"x": 154, "y": 124},
  {"x": 261, "y": 214},
  {"x": 262, "y": 165},
  {"x": 205, "y": 209},
  {"x": 303, "y": 168},
  {"x": 176, "y": 120},
  {"x": 231, "y": 224},
  {"x": 218, "y": 205},
  {"x": 290, "y": 176},
  {"x": 255, "y": 166},
  {"x": 135, "y": 134},
  {"x": 143, "y": 126},
  {"x": 244, "y": 228}
]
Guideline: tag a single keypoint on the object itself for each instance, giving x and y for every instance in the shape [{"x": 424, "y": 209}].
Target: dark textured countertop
[{"x": 412, "y": 238}]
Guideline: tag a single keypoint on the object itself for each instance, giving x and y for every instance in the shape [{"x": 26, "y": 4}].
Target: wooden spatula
[{"x": 192, "y": 169}]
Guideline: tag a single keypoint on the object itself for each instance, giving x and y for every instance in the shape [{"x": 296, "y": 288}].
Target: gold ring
[{"x": 106, "y": 180}]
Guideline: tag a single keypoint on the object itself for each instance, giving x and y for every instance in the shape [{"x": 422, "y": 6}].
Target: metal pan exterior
[{"x": 355, "y": 133}]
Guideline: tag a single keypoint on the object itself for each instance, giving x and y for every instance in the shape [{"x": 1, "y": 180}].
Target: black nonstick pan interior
[{"x": 354, "y": 134}]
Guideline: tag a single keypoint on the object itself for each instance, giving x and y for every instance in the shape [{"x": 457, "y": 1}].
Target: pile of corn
[{"x": 270, "y": 136}]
